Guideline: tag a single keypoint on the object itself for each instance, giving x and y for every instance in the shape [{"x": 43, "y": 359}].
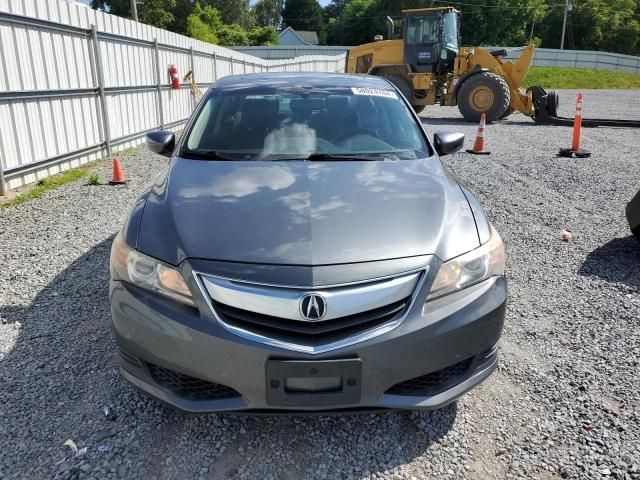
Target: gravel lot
[{"x": 563, "y": 404}]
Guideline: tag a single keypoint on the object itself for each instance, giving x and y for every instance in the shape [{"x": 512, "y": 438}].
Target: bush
[
  {"x": 263, "y": 36},
  {"x": 232, "y": 35}
]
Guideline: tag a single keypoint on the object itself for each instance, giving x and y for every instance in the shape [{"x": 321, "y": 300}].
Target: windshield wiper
[
  {"x": 209, "y": 155},
  {"x": 345, "y": 157}
]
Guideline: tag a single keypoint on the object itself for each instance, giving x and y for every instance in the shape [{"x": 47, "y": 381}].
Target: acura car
[{"x": 306, "y": 250}]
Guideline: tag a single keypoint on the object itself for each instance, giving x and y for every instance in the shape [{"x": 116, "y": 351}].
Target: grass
[
  {"x": 45, "y": 184},
  {"x": 576, "y": 78},
  {"x": 128, "y": 152}
]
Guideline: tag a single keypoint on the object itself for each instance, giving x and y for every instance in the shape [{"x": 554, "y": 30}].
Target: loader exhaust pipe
[{"x": 390, "y": 28}]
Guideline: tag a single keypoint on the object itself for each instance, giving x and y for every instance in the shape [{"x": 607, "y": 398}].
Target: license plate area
[{"x": 295, "y": 383}]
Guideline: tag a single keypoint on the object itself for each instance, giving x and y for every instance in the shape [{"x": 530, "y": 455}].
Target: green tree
[
  {"x": 181, "y": 12},
  {"x": 501, "y": 22},
  {"x": 203, "y": 23},
  {"x": 605, "y": 25},
  {"x": 232, "y": 35},
  {"x": 266, "y": 35},
  {"x": 121, "y": 8},
  {"x": 156, "y": 12},
  {"x": 358, "y": 23},
  {"x": 305, "y": 15},
  {"x": 233, "y": 11},
  {"x": 268, "y": 12},
  {"x": 334, "y": 9}
]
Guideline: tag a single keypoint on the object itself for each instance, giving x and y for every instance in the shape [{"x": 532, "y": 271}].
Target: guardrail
[{"x": 76, "y": 91}]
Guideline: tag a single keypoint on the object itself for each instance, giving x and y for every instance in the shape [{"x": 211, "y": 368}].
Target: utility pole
[
  {"x": 567, "y": 9},
  {"x": 533, "y": 24},
  {"x": 134, "y": 12}
]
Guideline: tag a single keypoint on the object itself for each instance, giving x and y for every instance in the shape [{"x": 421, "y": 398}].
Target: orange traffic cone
[
  {"x": 118, "y": 174},
  {"x": 478, "y": 146},
  {"x": 577, "y": 130}
]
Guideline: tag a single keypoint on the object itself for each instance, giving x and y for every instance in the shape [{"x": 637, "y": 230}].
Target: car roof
[{"x": 303, "y": 79}]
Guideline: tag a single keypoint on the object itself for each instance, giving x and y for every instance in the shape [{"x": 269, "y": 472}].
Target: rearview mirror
[
  {"x": 448, "y": 142},
  {"x": 161, "y": 142}
]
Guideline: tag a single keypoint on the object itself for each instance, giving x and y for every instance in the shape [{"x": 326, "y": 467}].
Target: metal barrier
[
  {"x": 109, "y": 89},
  {"x": 544, "y": 56}
]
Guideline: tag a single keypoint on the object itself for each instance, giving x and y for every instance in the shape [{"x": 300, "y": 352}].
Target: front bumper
[{"x": 444, "y": 335}]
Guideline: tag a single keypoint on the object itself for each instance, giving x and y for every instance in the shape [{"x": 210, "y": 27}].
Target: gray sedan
[{"x": 306, "y": 250}]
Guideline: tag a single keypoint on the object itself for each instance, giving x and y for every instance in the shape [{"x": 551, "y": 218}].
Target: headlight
[
  {"x": 129, "y": 265},
  {"x": 480, "y": 264}
]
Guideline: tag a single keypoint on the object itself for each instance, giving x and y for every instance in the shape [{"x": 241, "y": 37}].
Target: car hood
[{"x": 305, "y": 213}]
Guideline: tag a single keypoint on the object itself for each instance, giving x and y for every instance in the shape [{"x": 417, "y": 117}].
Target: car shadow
[
  {"x": 59, "y": 376},
  {"x": 617, "y": 261}
]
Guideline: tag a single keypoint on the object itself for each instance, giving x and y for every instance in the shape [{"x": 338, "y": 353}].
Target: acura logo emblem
[{"x": 313, "y": 307}]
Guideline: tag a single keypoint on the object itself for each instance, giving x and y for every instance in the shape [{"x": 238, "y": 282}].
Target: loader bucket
[
  {"x": 545, "y": 105},
  {"x": 633, "y": 215}
]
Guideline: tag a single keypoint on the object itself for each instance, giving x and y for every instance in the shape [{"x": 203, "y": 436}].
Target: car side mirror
[
  {"x": 161, "y": 142},
  {"x": 448, "y": 142}
]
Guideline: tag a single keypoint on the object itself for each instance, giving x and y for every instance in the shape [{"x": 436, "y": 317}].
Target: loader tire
[
  {"x": 507, "y": 113},
  {"x": 405, "y": 88},
  {"x": 484, "y": 92}
]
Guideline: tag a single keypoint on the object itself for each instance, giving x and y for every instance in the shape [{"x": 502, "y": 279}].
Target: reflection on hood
[{"x": 242, "y": 182}]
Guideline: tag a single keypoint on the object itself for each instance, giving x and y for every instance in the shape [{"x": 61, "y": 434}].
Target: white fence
[
  {"x": 77, "y": 84},
  {"x": 549, "y": 57},
  {"x": 544, "y": 57},
  {"x": 291, "y": 51}
]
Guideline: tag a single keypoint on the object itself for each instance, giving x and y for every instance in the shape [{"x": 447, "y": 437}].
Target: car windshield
[{"x": 303, "y": 122}]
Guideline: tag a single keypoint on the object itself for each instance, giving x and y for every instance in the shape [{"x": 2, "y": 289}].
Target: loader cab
[{"x": 431, "y": 39}]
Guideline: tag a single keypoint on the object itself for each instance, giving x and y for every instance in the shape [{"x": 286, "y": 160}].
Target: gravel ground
[{"x": 563, "y": 404}]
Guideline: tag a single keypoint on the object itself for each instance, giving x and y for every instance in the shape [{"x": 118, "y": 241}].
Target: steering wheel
[{"x": 352, "y": 132}]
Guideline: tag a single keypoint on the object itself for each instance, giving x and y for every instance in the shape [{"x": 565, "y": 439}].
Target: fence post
[
  {"x": 193, "y": 76},
  {"x": 244, "y": 66},
  {"x": 231, "y": 62},
  {"x": 215, "y": 67},
  {"x": 3, "y": 185},
  {"x": 103, "y": 100},
  {"x": 156, "y": 49}
]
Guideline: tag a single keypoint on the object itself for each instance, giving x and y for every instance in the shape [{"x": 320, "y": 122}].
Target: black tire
[
  {"x": 401, "y": 83},
  {"x": 484, "y": 92},
  {"x": 507, "y": 113},
  {"x": 553, "y": 102},
  {"x": 404, "y": 85}
]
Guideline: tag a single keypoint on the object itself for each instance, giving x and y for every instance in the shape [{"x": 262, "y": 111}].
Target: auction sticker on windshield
[{"x": 374, "y": 92}]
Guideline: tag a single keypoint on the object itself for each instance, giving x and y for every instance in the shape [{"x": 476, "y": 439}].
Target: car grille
[
  {"x": 190, "y": 387},
  {"x": 310, "y": 332},
  {"x": 432, "y": 383},
  {"x": 272, "y": 314}
]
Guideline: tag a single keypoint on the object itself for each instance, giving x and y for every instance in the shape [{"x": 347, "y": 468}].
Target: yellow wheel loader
[{"x": 428, "y": 65}]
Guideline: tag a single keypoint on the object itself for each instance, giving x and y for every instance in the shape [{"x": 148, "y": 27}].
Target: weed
[{"x": 94, "y": 179}]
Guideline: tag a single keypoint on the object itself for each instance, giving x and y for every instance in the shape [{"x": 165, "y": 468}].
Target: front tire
[
  {"x": 405, "y": 87},
  {"x": 484, "y": 92},
  {"x": 401, "y": 83},
  {"x": 507, "y": 113}
]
